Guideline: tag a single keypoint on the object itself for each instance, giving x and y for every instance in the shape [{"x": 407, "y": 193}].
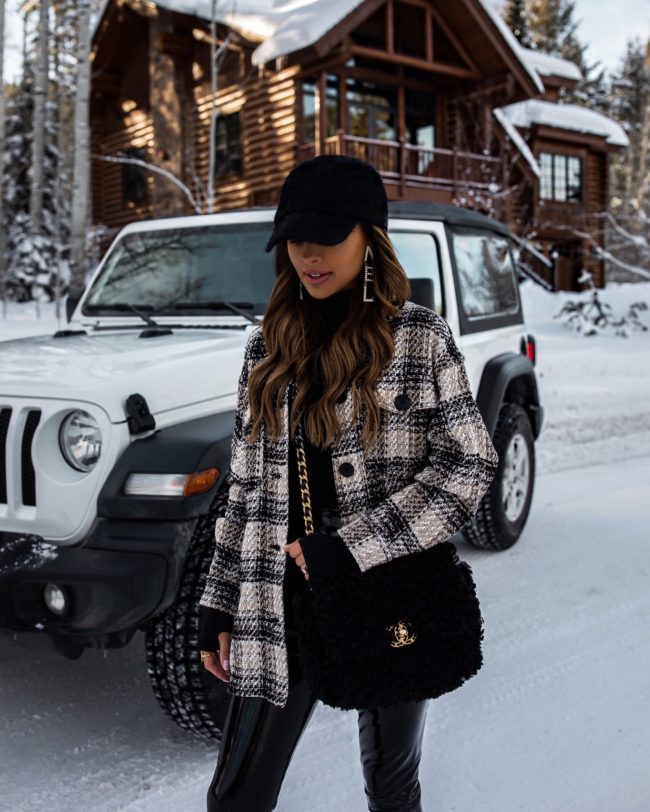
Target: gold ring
[{"x": 205, "y": 654}]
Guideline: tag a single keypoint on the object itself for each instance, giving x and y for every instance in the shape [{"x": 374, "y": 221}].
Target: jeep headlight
[{"x": 80, "y": 440}]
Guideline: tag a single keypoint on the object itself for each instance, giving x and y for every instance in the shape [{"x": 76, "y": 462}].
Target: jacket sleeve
[
  {"x": 222, "y": 581},
  {"x": 445, "y": 494}
]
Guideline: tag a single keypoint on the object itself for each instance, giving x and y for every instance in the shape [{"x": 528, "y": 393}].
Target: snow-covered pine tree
[
  {"x": 515, "y": 16},
  {"x": 37, "y": 259},
  {"x": 29, "y": 257},
  {"x": 629, "y": 103},
  {"x": 3, "y": 233}
]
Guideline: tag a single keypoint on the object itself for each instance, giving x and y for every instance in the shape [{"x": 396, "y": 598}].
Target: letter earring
[{"x": 367, "y": 277}]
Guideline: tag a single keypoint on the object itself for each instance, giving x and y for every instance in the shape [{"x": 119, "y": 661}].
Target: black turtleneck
[{"x": 325, "y": 555}]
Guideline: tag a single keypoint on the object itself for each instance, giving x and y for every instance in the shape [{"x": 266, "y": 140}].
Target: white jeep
[{"x": 115, "y": 434}]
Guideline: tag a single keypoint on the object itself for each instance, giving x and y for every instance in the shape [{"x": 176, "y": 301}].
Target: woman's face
[{"x": 341, "y": 262}]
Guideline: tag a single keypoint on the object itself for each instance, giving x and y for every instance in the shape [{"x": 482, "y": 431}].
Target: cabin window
[
  {"x": 134, "y": 177},
  {"x": 561, "y": 177},
  {"x": 372, "y": 110},
  {"x": 308, "y": 112},
  {"x": 309, "y": 107},
  {"x": 228, "y": 158},
  {"x": 332, "y": 104}
]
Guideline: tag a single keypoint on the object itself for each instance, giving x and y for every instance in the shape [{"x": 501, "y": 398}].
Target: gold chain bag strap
[{"x": 304, "y": 482}]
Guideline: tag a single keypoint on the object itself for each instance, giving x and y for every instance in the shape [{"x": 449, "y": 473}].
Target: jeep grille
[{"x": 27, "y": 473}]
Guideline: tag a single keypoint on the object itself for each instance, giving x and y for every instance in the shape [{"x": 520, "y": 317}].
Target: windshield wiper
[
  {"x": 124, "y": 306},
  {"x": 215, "y": 305}
]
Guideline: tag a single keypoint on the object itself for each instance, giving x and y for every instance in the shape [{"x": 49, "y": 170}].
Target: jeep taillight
[{"x": 528, "y": 347}]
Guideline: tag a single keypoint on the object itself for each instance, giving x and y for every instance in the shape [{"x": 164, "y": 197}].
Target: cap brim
[{"x": 323, "y": 229}]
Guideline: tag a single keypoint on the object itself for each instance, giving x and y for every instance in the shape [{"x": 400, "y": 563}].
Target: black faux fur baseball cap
[{"x": 323, "y": 198}]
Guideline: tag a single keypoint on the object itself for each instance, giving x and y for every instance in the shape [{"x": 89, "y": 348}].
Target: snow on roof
[
  {"x": 254, "y": 19},
  {"x": 550, "y": 64},
  {"x": 302, "y": 24},
  {"x": 567, "y": 117},
  {"x": 517, "y": 139}
]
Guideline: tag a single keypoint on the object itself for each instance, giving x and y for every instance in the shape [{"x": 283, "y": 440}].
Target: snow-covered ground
[{"x": 557, "y": 719}]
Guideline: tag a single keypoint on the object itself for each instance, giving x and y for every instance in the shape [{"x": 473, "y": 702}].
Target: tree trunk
[
  {"x": 38, "y": 124},
  {"x": 3, "y": 233},
  {"x": 81, "y": 169}
]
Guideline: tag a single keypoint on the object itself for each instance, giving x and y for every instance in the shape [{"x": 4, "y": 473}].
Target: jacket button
[
  {"x": 402, "y": 402},
  {"x": 346, "y": 468}
]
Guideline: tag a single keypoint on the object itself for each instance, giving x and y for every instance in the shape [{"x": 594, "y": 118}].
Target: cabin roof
[
  {"x": 550, "y": 64},
  {"x": 285, "y": 27},
  {"x": 566, "y": 117}
]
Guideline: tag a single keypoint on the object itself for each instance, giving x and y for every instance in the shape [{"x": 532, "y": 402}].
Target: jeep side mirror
[
  {"x": 74, "y": 294},
  {"x": 422, "y": 292}
]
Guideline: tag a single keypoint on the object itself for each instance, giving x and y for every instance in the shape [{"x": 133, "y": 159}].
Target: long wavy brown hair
[{"x": 356, "y": 354}]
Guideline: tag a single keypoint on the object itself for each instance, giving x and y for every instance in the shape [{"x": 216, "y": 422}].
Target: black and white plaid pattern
[{"x": 419, "y": 484}]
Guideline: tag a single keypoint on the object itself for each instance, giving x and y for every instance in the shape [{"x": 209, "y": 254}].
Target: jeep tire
[
  {"x": 194, "y": 698},
  {"x": 503, "y": 510}
]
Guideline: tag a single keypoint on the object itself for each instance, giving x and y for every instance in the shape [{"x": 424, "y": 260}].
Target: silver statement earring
[
  {"x": 300, "y": 289},
  {"x": 367, "y": 276}
]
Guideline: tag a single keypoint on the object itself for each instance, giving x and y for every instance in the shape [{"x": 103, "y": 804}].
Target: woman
[{"x": 398, "y": 457}]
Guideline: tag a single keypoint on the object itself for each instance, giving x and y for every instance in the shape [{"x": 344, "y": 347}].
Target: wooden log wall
[
  {"x": 107, "y": 202},
  {"x": 268, "y": 109},
  {"x": 597, "y": 199}
]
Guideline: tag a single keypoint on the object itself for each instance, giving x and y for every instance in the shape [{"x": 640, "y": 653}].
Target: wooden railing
[{"x": 411, "y": 165}]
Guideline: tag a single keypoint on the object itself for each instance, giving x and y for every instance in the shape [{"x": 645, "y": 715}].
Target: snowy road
[{"x": 556, "y": 721}]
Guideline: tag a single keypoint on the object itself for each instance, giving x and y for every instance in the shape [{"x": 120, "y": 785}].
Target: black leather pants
[{"x": 259, "y": 739}]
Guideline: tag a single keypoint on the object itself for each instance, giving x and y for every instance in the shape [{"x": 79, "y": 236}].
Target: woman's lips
[{"x": 319, "y": 280}]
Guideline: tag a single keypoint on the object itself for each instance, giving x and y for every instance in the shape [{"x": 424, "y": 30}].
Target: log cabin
[{"x": 439, "y": 97}]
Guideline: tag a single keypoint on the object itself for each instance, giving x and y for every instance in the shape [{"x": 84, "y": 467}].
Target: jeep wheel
[
  {"x": 194, "y": 698},
  {"x": 504, "y": 509}
]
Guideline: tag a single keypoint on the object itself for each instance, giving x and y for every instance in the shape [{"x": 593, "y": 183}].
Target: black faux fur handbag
[{"x": 406, "y": 630}]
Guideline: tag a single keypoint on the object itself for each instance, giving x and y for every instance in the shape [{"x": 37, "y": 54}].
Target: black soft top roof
[
  {"x": 454, "y": 215},
  {"x": 419, "y": 210}
]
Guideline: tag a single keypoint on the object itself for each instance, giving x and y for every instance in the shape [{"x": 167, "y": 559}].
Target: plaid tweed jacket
[{"x": 422, "y": 481}]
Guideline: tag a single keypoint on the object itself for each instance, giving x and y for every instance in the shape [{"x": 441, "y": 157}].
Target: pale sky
[{"x": 603, "y": 30}]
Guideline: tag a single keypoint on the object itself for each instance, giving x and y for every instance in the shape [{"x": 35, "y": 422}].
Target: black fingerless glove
[
  {"x": 211, "y": 622},
  {"x": 327, "y": 556}
]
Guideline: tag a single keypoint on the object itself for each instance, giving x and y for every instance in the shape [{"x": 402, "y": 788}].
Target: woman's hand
[
  {"x": 219, "y": 664},
  {"x": 295, "y": 551}
]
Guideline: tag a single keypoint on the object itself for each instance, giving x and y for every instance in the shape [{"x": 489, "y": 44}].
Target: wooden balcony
[
  {"x": 555, "y": 214},
  {"x": 415, "y": 172}
]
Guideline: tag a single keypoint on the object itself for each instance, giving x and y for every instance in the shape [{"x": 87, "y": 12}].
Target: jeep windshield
[{"x": 200, "y": 270}]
